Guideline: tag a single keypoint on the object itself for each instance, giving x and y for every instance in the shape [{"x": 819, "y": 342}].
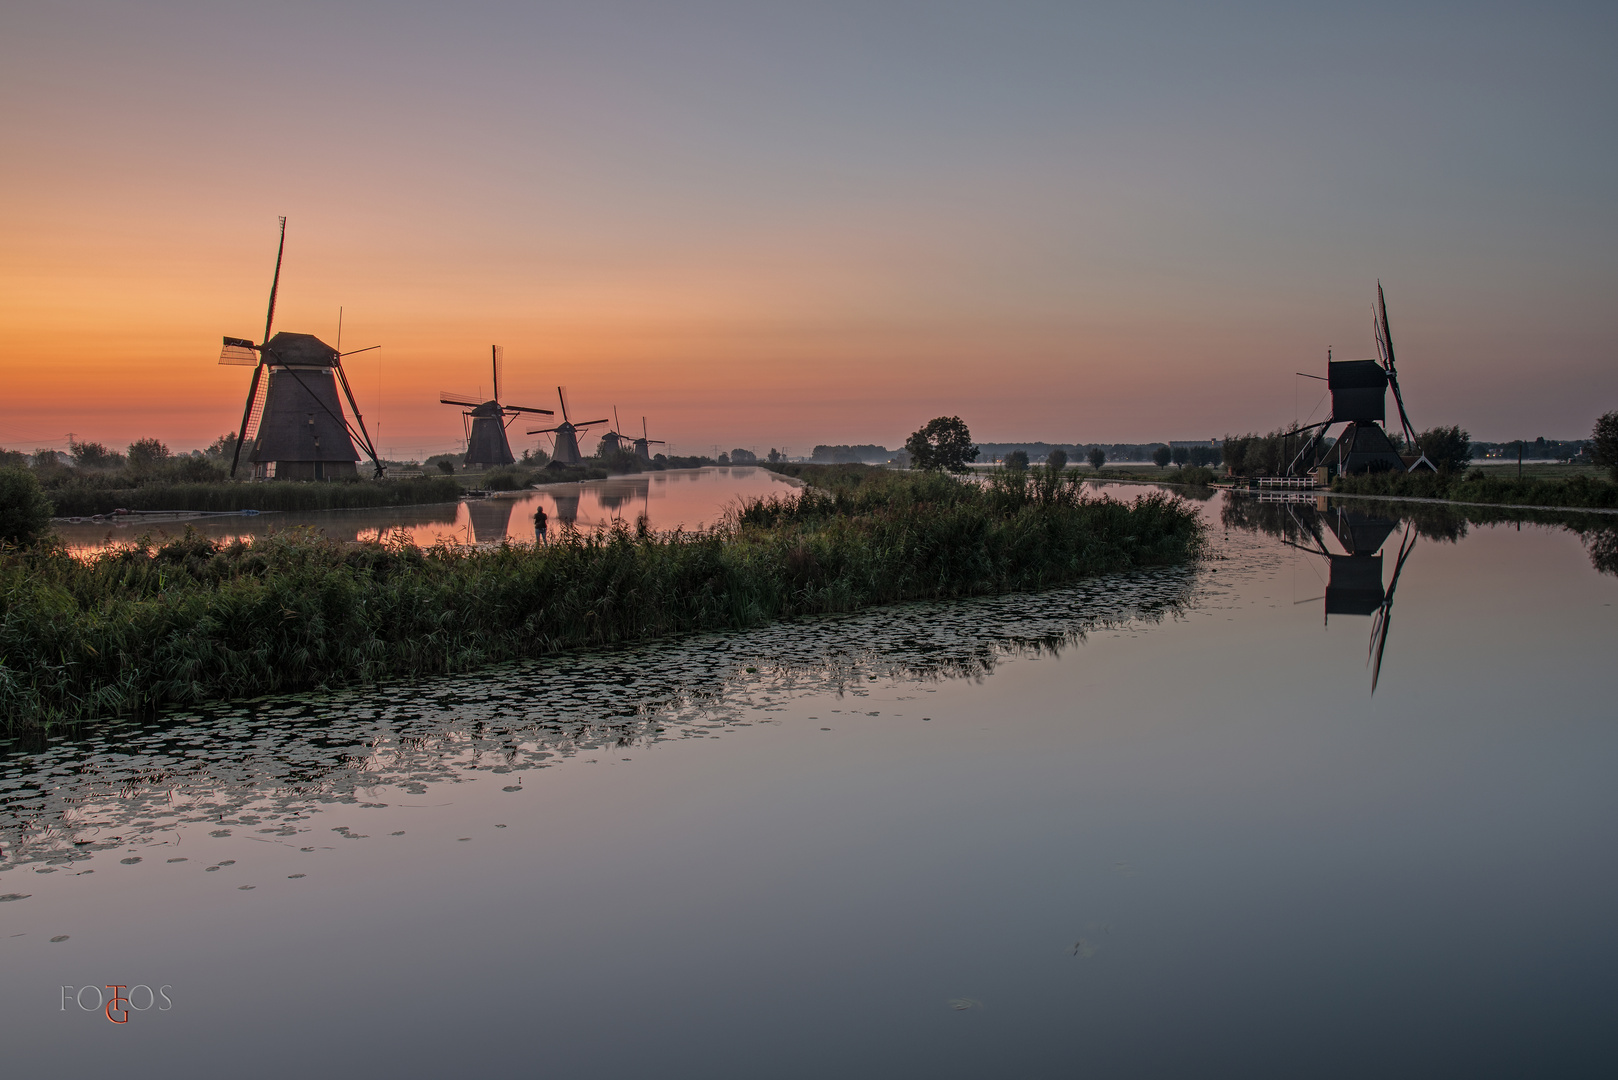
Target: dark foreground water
[{"x": 1155, "y": 825}]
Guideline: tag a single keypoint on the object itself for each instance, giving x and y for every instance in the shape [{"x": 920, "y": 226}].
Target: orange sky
[{"x": 778, "y": 230}]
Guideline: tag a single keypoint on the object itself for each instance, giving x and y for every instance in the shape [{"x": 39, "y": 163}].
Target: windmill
[
  {"x": 613, "y": 442},
  {"x": 293, "y": 418},
  {"x": 1359, "y": 400},
  {"x": 485, "y": 422},
  {"x": 1354, "y": 586},
  {"x": 643, "y": 445},
  {"x": 567, "y": 434}
]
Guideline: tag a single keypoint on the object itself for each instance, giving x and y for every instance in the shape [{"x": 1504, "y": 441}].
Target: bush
[
  {"x": 1017, "y": 460},
  {"x": 25, "y": 512}
]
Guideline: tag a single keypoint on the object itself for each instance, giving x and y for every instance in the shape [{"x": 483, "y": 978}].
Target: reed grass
[{"x": 191, "y": 620}]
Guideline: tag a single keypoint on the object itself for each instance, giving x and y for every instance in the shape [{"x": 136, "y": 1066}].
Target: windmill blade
[
  {"x": 275, "y": 283},
  {"x": 616, "y": 426},
  {"x": 447, "y": 398},
  {"x": 561, "y": 393},
  {"x": 247, "y": 412},
  {"x": 1379, "y": 629},
  {"x": 589, "y": 423},
  {"x": 545, "y": 431},
  {"x": 524, "y": 408},
  {"x": 499, "y": 353},
  {"x": 1384, "y": 341},
  {"x": 238, "y": 352},
  {"x": 353, "y": 352}
]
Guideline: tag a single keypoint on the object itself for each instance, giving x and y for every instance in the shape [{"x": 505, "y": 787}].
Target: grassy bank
[
  {"x": 1480, "y": 486},
  {"x": 76, "y": 500},
  {"x": 193, "y": 621}
]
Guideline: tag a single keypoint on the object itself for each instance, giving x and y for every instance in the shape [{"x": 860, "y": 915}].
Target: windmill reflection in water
[{"x": 1354, "y": 585}]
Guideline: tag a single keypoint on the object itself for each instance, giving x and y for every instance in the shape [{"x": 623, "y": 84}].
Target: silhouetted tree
[
  {"x": 1448, "y": 448},
  {"x": 1182, "y": 454},
  {"x": 944, "y": 443},
  {"x": 1162, "y": 456},
  {"x": 147, "y": 454},
  {"x": 1057, "y": 459},
  {"x": 1098, "y": 458},
  {"x": 93, "y": 455},
  {"x": 1604, "y": 442},
  {"x": 1017, "y": 460},
  {"x": 25, "y": 512}
]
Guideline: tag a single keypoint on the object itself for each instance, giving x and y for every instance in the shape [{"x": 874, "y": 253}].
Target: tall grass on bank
[
  {"x": 74, "y": 499},
  {"x": 132, "y": 630},
  {"x": 1480, "y": 487}
]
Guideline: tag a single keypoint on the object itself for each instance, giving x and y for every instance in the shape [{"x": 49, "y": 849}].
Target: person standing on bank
[{"x": 539, "y": 524}]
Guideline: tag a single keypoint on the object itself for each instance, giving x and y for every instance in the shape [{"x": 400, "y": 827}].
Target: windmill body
[
  {"x": 486, "y": 421},
  {"x": 300, "y": 434},
  {"x": 293, "y": 425}
]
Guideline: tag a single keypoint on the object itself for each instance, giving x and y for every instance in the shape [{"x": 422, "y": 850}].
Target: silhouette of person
[{"x": 539, "y": 524}]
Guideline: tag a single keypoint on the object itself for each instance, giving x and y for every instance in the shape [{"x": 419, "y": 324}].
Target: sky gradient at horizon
[{"x": 779, "y": 225}]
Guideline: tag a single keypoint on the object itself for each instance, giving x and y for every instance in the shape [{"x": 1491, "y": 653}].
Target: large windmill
[
  {"x": 567, "y": 434},
  {"x": 293, "y": 419},
  {"x": 485, "y": 422},
  {"x": 643, "y": 445},
  {"x": 1359, "y": 391}
]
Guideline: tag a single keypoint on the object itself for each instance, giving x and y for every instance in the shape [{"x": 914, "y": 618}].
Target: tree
[
  {"x": 94, "y": 455},
  {"x": 25, "y": 512},
  {"x": 1162, "y": 456},
  {"x": 1181, "y": 455},
  {"x": 222, "y": 448},
  {"x": 1057, "y": 459},
  {"x": 1017, "y": 461},
  {"x": 775, "y": 455},
  {"x": 724, "y": 458},
  {"x": 1604, "y": 442},
  {"x": 1448, "y": 448},
  {"x": 147, "y": 454},
  {"x": 743, "y": 457},
  {"x": 1098, "y": 458},
  {"x": 944, "y": 443}
]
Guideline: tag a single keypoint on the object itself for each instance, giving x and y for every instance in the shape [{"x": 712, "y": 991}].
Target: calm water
[
  {"x": 1155, "y": 825},
  {"x": 688, "y": 498}
]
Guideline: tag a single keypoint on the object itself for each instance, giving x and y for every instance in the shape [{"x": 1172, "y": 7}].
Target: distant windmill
[
  {"x": 613, "y": 442},
  {"x": 293, "y": 419},
  {"x": 643, "y": 445},
  {"x": 567, "y": 434},
  {"x": 1359, "y": 400},
  {"x": 485, "y": 422}
]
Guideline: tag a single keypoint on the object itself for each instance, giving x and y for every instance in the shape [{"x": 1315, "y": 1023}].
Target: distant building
[{"x": 1193, "y": 444}]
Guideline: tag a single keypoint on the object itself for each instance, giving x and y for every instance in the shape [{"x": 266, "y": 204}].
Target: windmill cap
[{"x": 301, "y": 350}]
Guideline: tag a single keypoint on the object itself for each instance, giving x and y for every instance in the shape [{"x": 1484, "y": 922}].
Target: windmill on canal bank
[
  {"x": 613, "y": 442},
  {"x": 1359, "y": 390},
  {"x": 485, "y": 422},
  {"x": 643, "y": 445},
  {"x": 566, "y": 434},
  {"x": 293, "y": 424}
]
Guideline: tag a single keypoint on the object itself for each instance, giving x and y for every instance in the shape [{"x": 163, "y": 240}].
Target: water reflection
[
  {"x": 683, "y": 498},
  {"x": 269, "y": 766}
]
